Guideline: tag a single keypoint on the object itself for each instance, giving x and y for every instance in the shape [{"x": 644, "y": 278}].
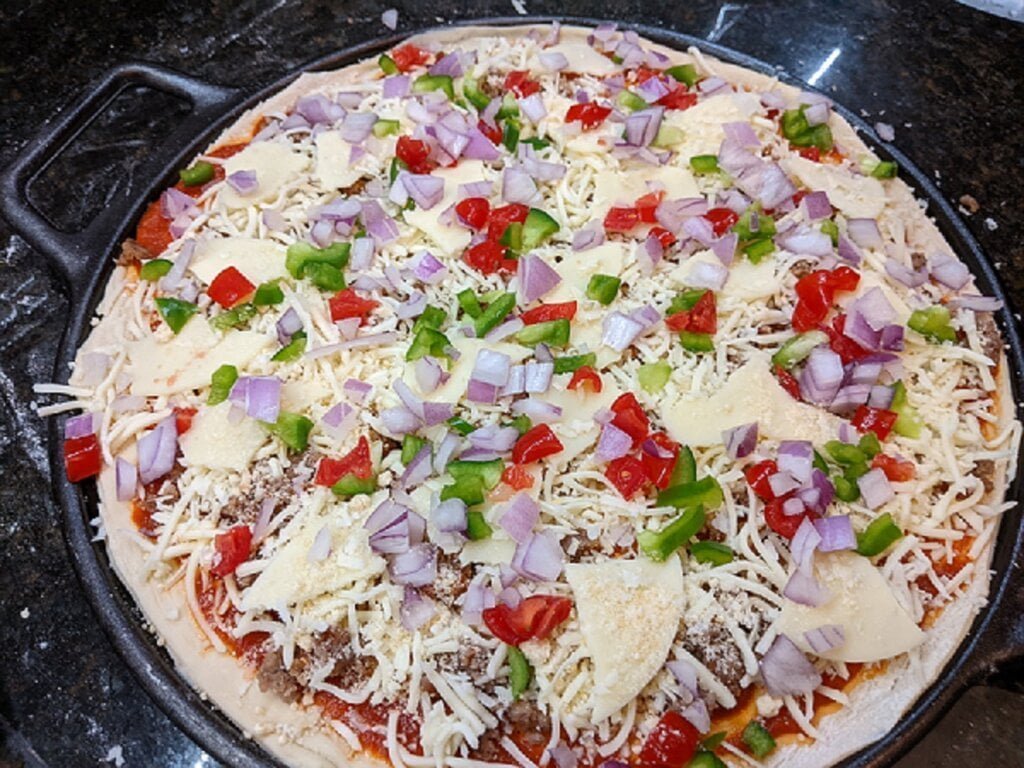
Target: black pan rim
[{"x": 211, "y": 729}]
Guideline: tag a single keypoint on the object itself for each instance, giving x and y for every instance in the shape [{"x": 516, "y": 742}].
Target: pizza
[{"x": 540, "y": 395}]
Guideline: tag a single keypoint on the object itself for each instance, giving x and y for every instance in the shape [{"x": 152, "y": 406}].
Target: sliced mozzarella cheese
[
  {"x": 334, "y": 169},
  {"x": 623, "y": 187},
  {"x": 750, "y": 394},
  {"x": 746, "y": 281},
  {"x": 259, "y": 260},
  {"x": 450, "y": 239},
  {"x": 492, "y": 551},
  {"x": 581, "y": 58},
  {"x": 576, "y": 269},
  {"x": 874, "y": 625},
  {"x": 189, "y": 359},
  {"x": 453, "y": 389},
  {"x": 214, "y": 442},
  {"x": 856, "y": 196},
  {"x": 276, "y": 165},
  {"x": 297, "y": 396},
  {"x": 576, "y": 428},
  {"x": 701, "y": 124},
  {"x": 629, "y": 612}
]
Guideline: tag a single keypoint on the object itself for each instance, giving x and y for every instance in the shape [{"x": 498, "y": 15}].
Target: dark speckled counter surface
[{"x": 950, "y": 79}]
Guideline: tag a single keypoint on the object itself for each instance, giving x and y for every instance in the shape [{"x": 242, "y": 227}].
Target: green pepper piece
[
  {"x": 221, "y": 382},
  {"x": 496, "y": 311},
  {"x": 704, "y": 164},
  {"x": 199, "y": 173},
  {"x": 685, "y": 470},
  {"x": 712, "y": 552},
  {"x": 510, "y": 136},
  {"x": 429, "y": 83},
  {"x": 654, "y": 376},
  {"x": 631, "y": 101},
  {"x": 538, "y": 227},
  {"x": 513, "y": 237},
  {"x": 411, "y": 446},
  {"x": 432, "y": 317},
  {"x": 603, "y": 288},
  {"x": 326, "y": 277},
  {"x": 427, "y": 341},
  {"x": 572, "y": 363},
  {"x": 155, "y": 269},
  {"x": 460, "y": 425},
  {"x": 714, "y": 741},
  {"x": 387, "y": 64},
  {"x": 668, "y": 136},
  {"x": 758, "y": 740},
  {"x": 797, "y": 348},
  {"x": 350, "y": 486},
  {"x": 554, "y": 333},
  {"x": 489, "y": 472},
  {"x": 470, "y": 303},
  {"x": 469, "y": 489},
  {"x": 706, "y": 760},
  {"x": 520, "y": 673},
  {"x": 301, "y": 255},
  {"x": 684, "y": 301},
  {"x": 877, "y": 537},
  {"x": 268, "y": 294},
  {"x": 293, "y": 350},
  {"x": 704, "y": 492},
  {"x": 846, "y": 490},
  {"x": 801, "y": 134},
  {"x": 830, "y": 228},
  {"x": 684, "y": 73},
  {"x": 869, "y": 445},
  {"x": 756, "y": 250},
  {"x": 473, "y": 93},
  {"x": 477, "y": 527},
  {"x": 292, "y": 428},
  {"x": 844, "y": 453},
  {"x": 522, "y": 423},
  {"x": 765, "y": 224},
  {"x": 852, "y": 471},
  {"x": 933, "y": 323},
  {"x": 175, "y": 312},
  {"x": 819, "y": 462},
  {"x": 509, "y": 107},
  {"x": 536, "y": 142},
  {"x": 696, "y": 342},
  {"x": 384, "y": 128},
  {"x": 908, "y": 422},
  {"x": 886, "y": 169},
  {"x": 659, "y": 545},
  {"x": 233, "y": 318},
  {"x": 397, "y": 166}
]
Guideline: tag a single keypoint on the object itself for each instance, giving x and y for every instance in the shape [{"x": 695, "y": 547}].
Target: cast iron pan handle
[{"x": 73, "y": 253}]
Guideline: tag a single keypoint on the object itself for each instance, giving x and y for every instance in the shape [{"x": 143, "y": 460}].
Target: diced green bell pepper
[
  {"x": 411, "y": 446},
  {"x": 427, "y": 341},
  {"x": 631, "y": 101},
  {"x": 704, "y": 164},
  {"x": 350, "y": 486},
  {"x": 489, "y": 472},
  {"x": 933, "y": 323},
  {"x": 510, "y": 136},
  {"x": 268, "y": 294},
  {"x": 684, "y": 301},
  {"x": 175, "y": 312},
  {"x": 496, "y": 311},
  {"x": 830, "y": 228},
  {"x": 233, "y": 318},
  {"x": 474, "y": 95},
  {"x": 654, "y": 376},
  {"x": 668, "y": 136},
  {"x": 293, "y": 350},
  {"x": 477, "y": 527},
  {"x": 603, "y": 288},
  {"x": 387, "y": 64},
  {"x": 877, "y": 537},
  {"x": 685, "y": 470},
  {"x": 537, "y": 229},
  {"x": 460, "y": 425},
  {"x": 885, "y": 169},
  {"x": 684, "y": 73},
  {"x": 432, "y": 317},
  {"x": 512, "y": 237},
  {"x": 470, "y": 303},
  {"x": 554, "y": 333},
  {"x": 509, "y": 107},
  {"x": 384, "y": 128},
  {"x": 155, "y": 269},
  {"x": 429, "y": 83},
  {"x": 756, "y": 250},
  {"x": 705, "y": 492},
  {"x": 712, "y": 552},
  {"x": 199, "y": 173},
  {"x": 797, "y": 348},
  {"x": 520, "y": 673},
  {"x": 469, "y": 489},
  {"x": 800, "y": 133},
  {"x": 758, "y": 740},
  {"x": 572, "y": 363},
  {"x": 301, "y": 255},
  {"x": 326, "y": 277},
  {"x": 221, "y": 382},
  {"x": 908, "y": 421},
  {"x": 659, "y": 545},
  {"x": 706, "y": 760},
  {"x": 522, "y": 423},
  {"x": 696, "y": 342},
  {"x": 292, "y": 428}
]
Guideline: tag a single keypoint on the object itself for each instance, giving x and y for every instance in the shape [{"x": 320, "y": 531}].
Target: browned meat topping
[
  {"x": 245, "y": 506},
  {"x": 132, "y": 252},
  {"x": 348, "y": 670},
  {"x": 452, "y": 580},
  {"x": 985, "y": 470},
  {"x": 713, "y": 646},
  {"x": 357, "y": 187},
  {"x": 802, "y": 268},
  {"x": 988, "y": 331}
]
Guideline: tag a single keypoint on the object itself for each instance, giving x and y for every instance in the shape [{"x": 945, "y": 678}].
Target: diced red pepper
[
  {"x": 154, "y": 231},
  {"x": 816, "y": 293},
  {"x": 847, "y": 349},
  {"x": 788, "y": 382},
  {"x": 672, "y": 743},
  {"x": 231, "y": 549},
  {"x": 82, "y": 457},
  {"x": 658, "y": 469},
  {"x": 489, "y": 257},
  {"x": 590, "y": 115},
  {"x": 230, "y": 288},
  {"x": 631, "y": 418},
  {"x": 347, "y": 303},
  {"x": 757, "y": 477},
  {"x": 356, "y": 462},
  {"x": 415, "y": 154},
  {"x": 183, "y": 419},
  {"x": 408, "y": 56},
  {"x": 627, "y": 475},
  {"x": 642, "y": 74},
  {"x": 877, "y": 420},
  {"x": 517, "y": 478},
  {"x": 621, "y": 219},
  {"x": 809, "y": 153},
  {"x": 702, "y": 318},
  {"x": 504, "y": 215},
  {"x": 647, "y": 205},
  {"x": 493, "y": 133},
  {"x": 678, "y": 98},
  {"x": 897, "y": 470},
  {"x": 586, "y": 378},
  {"x": 473, "y": 212},
  {"x": 666, "y": 238},
  {"x": 784, "y": 525},
  {"x": 545, "y": 313},
  {"x": 538, "y": 443},
  {"x": 520, "y": 84},
  {"x": 721, "y": 219},
  {"x": 535, "y": 618}
]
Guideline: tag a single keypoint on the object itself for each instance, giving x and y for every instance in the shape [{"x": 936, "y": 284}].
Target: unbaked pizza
[{"x": 536, "y": 396}]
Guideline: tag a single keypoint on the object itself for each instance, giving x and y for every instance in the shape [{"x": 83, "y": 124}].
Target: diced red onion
[
  {"x": 516, "y": 381},
  {"x": 81, "y": 426},
  {"x": 481, "y": 392},
  {"x": 875, "y": 488},
  {"x": 653, "y": 89},
  {"x": 672, "y": 213},
  {"x": 357, "y": 390},
  {"x": 782, "y": 483},
  {"x": 816, "y": 114},
  {"x": 613, "y": 443},
  {"x": 157, "y": 450},
  {"x": 865, "y": 233},
  {"x": 126, "y": 403},
  {"x": 448, "y": 64},
  {"x": 274, "y": 220},
  {"x": 263, "y": 398},
  {"x": 415, "y": 568},
  {"x": 428, "y": 374},
  {"x": 320, "y": 549},
  {"x": 553, "y": 61},
  {"x": 540, "y": 170},
  {"x": 389, "y": 18},
  {"x": 288, "y": 324},
  {"x": 742, "y": 134},
  {"x": 685, "y": 674},
  {"x": 836, "y": 533},
  {"x": 172, "y": 279},
  {"x": 494, "y": 438},
  {"x": 338, "y": 414},
  {"x": 446, "y": 451},
  {"x": 885, "y": 131},
  {"x": 696, "y": 713},
  {"x": 533, "y": 107},
  {"x": 476, "y": 600},
  {"x": 949, "y": 271},
  {"x": 736, "y": 160},
  {"x": 126, "y": 478},
  {"x": 418, "y": 469},
  {"x": 504, "y": 330},
  {"x": 771, "y": 187},
  {"x": 539, "y": 557},
  {"x": 712, "y": 85},
  {"x": 786, "y": 671},
  {"x": 492, "y": 367},
  {"x": 976, "y": 303},
  {"x": 822, "y": 376},
  {"x": 517, "y": 186},
  {"x": 450, "y": 516},
  {"x": 396, "y": 87},
  {"x": 795, "y": 457},
  {"x": 903, "y": 274},
  {"x": 174, "y": 202},
  {"x": 807, "y": 242},
  {"x": 400, "y": 420},
  {"x": 319, "y": 109},
  {"x": 589, "y": 236},
  {"x": 243, "y": 182},
  {"x": 642, "y": 126},
  {"x": 825, "y": 638},
  {"x": 740, "y": 441},
  {"x": 416, "y": 610},
  {"x": 725, "y": 248},
  {"x": 425, "y": 190},
  {"x": 793, "y": 506},
  {"x": 519, "y": 517},
  {"x": 537, "y": 410},
  {"x": 619, "y": 331},
  {"x": 536, "y": 278},
  {"x": 412, "y": 306},
  {"x": 699, "y": 229},
  {"x": 537, "y": 377},
  {"x": 817, "y": 205}
]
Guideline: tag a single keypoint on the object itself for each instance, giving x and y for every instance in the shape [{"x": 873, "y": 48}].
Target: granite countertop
[{"x": 949, "y": 78}]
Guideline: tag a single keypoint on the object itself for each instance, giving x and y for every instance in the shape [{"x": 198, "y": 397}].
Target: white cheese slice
[
  {"x": 856, "y": 196},
  {"x": 629, "y": 612},
  {"x": 861, "y": 602},
  {"x": 746, "y": 281},
  {"x": 333, "y": 157},
  {"x": 623, "y": 187},
  {"x": 750, "y": 394},
  {"x": 577, "y": 267},
  {"x": 450, "y": 239},
  {"x": 259, "y": 260},
  {"x": 298, "y": 396},
  {"x": 189, "y": 359},
  {"x": 453, "y": 389},
  {"x": 594, "y": 142},
  {"x": 275, "y": 164},
  {"x": 576, "y": 428},
  {"x": 214, "y": 442},
  {"x": 701, "y": 124},
  {"x": 581, "y": 58},
  {"x": 492, "y": 551}
]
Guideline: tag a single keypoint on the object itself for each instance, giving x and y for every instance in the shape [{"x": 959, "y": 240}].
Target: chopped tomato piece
[
  {"x": 414, "y": 153},
  {"x": 492, "y": 133},
  {"x": 590, "y": 115},
  {"x": 154, "y": 231},
  {"x": 535, "y": 618},
  {"x": 520, "y": 84},
  {"x": 538, "y": 443},
  {"x": 621, "y": 219},
  {"x": 347, "y": 303},
  {"x": 642, "y": 74},
  {"x": 721, "y": 219},
  {"x": 848, "y": 349},
  {"x": 808, "y": 153},
  {"x": 702, "y": 318},
  {"x": 586, "y": 378},
  {"x": 473, "y": 211},
  {"x": 545, "y": 313},
  {"x": 657, "y": 468},
  {"x": 487, "y": 257},
  {"x": 757, "y": 477},
  {"x": 356, "y": 462},
  {"x": 631, "y": 418},
  {"x": 672, "y": 743},
  {"x": 183, "y": 419},
  {"x": 517, "y": 477},
  {"x": 877, "y": 420},
  {"x": 666, "y": 238},
  {"x": 408, "y": 56},
  {"x": 788, "y": 382},
  {"x": 897, "y": 470},
  {"x": 231, "y": 549},
  {"x": 82, "y": 457},
  {"x": 230, "y": 288},
  {"x": 627, "y": 475},
  {"x": 816, "y": 293},
  {"x": 647, "y": 205},
  {"x": 504, "y": 215},
  {"x": 678, "y": 98},
  {"x": 784, "y": 525}
]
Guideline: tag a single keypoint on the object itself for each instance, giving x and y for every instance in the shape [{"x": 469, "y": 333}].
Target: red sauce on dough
[
  {"x": 248, "y": 648},
  {"x": 370, "y": 723},
  {"x": 142, "y": 519},
  {"x": 948, "y": 569}
]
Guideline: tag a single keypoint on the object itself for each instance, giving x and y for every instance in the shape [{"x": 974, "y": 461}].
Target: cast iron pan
[{"x": 84, "y": 260}]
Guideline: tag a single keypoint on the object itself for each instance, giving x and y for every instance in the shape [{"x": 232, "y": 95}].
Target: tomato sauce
[
  {"x": 248, "y": 648},
  {"x": 370, "y": 723},
  {"x": 950, "y": 568},
  {"x": 142, "y": 519}
]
